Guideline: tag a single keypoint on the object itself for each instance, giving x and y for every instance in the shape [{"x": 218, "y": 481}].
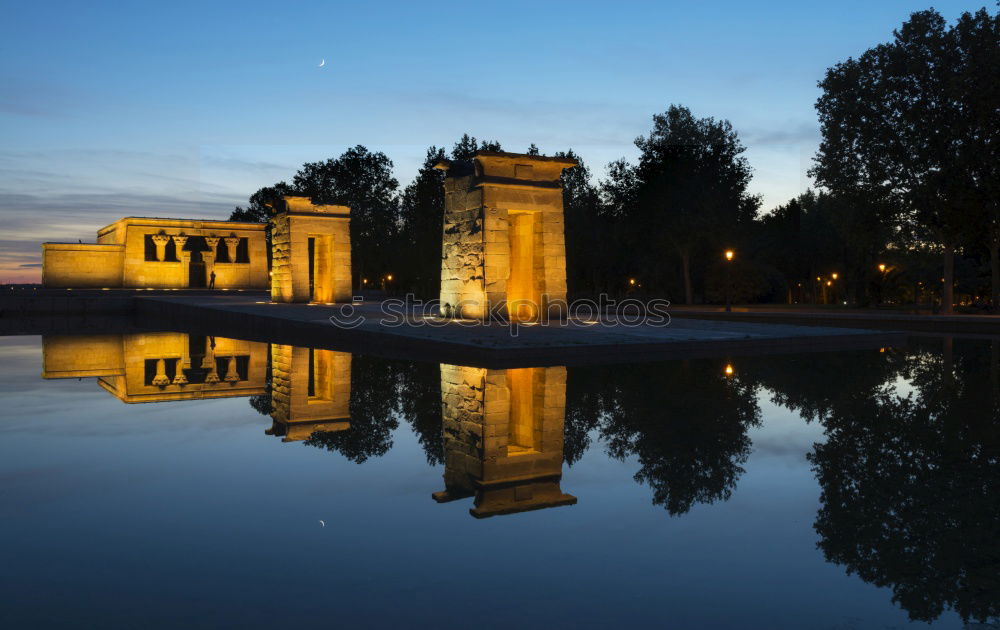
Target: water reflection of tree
[
  {"x": 588, "y": 392},
  {"x": 810, "y": 384},
  {"x": 685, "y": 422},
  {"x": 373, "y": 417},
  {"x": 420, "y": 406},
  {"x": 911, "y": 484}
]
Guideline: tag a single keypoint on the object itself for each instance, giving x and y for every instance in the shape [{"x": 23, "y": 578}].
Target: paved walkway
[{"x": 494, "y": 344}]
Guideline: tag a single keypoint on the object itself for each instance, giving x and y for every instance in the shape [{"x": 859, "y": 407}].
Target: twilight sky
[{"x": 120, "y": 109}]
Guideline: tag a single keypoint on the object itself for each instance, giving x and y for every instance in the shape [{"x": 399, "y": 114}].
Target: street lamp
[
  {"x": 729, "y": 278},
  {"x": 881, "y": 267}
]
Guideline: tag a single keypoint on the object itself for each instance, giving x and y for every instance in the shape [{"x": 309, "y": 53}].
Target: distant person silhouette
[{"x": 211, "y": 281}]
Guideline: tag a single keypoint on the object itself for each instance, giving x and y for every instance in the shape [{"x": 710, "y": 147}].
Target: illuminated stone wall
[
  {"x": 326, "y": 276},
  {"x": 503, "y": 245},
  {"x": 503, "y": 438},
  {"x": 310, "y": 391},
  {"x": 159, "y": 367},
  {"x": 137, "y": 252},
  {"x": 83, "y": 265}
]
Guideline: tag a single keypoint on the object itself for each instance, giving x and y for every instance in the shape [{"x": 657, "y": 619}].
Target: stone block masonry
[
  {"x": 503, "y": 249},
  {"x": 310, "y": 252}
]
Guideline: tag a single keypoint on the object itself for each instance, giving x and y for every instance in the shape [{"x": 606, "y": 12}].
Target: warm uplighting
[
  {"x": 729, "y": 254},
  {"x": 728, "y": 370},
  {"x": 881, "y": 267}
]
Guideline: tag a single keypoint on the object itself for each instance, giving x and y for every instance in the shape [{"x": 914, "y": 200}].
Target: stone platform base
[{"x": 491, "y": 345}]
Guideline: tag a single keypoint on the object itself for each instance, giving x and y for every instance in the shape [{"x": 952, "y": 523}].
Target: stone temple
[
  {"x": 504, "y": 249},
  {"x": 311, "y": 252},
  {"x": 154, "y": 253}
]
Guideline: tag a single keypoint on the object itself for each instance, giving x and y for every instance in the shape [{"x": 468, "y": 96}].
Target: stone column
[
  {"x": 161, "y": 380},
  {"x": 209, "y": 257},
  {"x": 180, "y": 241},
  {"x": 231, "y": 243},
  {"x": 161, "y": 240},
  {"x": 232, "y": 376}
]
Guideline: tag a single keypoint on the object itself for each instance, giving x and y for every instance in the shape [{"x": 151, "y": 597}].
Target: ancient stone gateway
[
  {"x": 504, "y": 250},
  {"x": 311, "y": 252},
  {"x": 503, "y": 438}
]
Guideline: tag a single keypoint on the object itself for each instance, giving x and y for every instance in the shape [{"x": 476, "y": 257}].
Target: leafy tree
[
  {"x": 976, "y": 38},
  {"x": 362, "y": 180},
  {"x": 421, "y": 214},
  {"x": 692, "y": 189},
  {"x": 587, "y": 229},
  {"x": 902, "y": 123},
  {"x": 421, "y": 218},
  {"x": 261, "y": 204}
]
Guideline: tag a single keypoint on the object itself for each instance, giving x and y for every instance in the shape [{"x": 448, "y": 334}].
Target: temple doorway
[{"x": 522, "y": 302}]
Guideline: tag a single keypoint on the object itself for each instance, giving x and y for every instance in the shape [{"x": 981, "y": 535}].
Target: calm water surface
[{"x": 172, "y": 480}]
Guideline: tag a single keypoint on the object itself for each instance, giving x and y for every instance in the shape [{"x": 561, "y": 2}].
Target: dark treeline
[{"x": 907, "y": 210}]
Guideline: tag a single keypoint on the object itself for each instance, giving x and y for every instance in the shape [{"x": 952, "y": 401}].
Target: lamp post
[
  {"x": 729, "y": 279},
  {"x": 881, "y": 283}
]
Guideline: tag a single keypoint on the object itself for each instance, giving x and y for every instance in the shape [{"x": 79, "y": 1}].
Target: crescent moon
[
  {"x": 322, "y": 524},
  {"x": 322, "y": 63}
]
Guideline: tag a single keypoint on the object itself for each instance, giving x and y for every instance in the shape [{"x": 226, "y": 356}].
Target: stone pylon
[{"x": 503, "y": 248}]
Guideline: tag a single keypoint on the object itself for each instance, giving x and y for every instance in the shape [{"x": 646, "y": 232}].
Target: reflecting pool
[{"x": 170, "y": 479}]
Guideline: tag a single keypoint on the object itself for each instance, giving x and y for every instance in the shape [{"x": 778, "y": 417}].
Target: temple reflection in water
[
  {"x": 502, "y": 429},
  {"x": 159, "y": 367},
  {"x": 310, "y": 391},
  {"x": 503, "y": 438}
]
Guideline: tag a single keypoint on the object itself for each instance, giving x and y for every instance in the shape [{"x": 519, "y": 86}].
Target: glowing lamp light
[
  {"x": 834, "y": 275},
  {"x": 829, "y": 283},
  {"x": 729, "y": 254},
  {"x": 728, "y": 370},
  {"x": 881, "y": 267},
  {"x": 389, "y": 277}
]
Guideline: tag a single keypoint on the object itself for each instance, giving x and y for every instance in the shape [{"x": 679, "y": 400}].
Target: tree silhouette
[
  {"x": 421, "y": 214},
  {"x": 372, "y": 407},
  {"x": 906, "y": 126},
  {"x": 362, "y": 180},
  {"x": 687, "y": 424},
  {"x": 419, "y": 404},
  {"x": 911, "y": 485}
]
